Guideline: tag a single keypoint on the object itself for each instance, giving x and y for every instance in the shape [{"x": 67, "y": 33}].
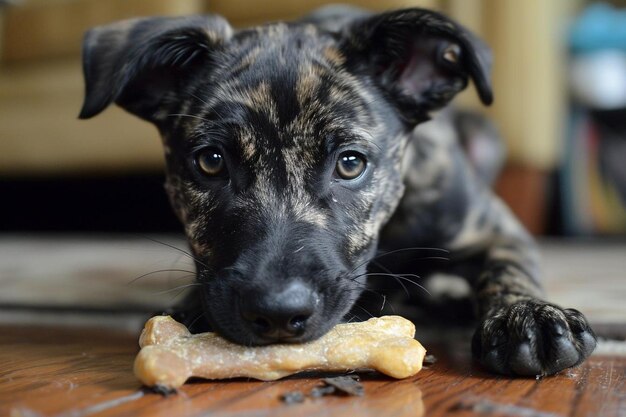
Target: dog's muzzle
[{"x": 279, "y": 316}]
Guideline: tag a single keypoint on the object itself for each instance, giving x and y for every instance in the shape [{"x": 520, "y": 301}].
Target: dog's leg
[{"x": 519, "y": 333}]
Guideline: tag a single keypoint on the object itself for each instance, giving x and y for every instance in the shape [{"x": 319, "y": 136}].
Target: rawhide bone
[{"x": 170, "y": 354}]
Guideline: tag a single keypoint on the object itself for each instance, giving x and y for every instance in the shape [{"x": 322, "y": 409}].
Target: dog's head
[{"x": 283, "y": 147}]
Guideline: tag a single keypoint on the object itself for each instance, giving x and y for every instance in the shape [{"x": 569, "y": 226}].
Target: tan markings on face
[
  {"x": 345, "y": 89},
  {"x": 194, "y": 231},
  {"x": 272, "y": 207},
  {"x": 302, "y": 208},
  {"x": 172, "y": 189},
  {"x": 185, "y": 200},
  {"x": 247, "y": 60},
  {"x": 204, "y": 250},
  {"x": 188, "y": 200},
  {"x": 263, "y": 184},
  {"x": 379, "y": 202},
  {"x": 247, "y": 143},
  {"x": 307, "y": 85},
  {"x": 296, "y": 165},
  {"x": 367, "y": 228},
  {"x": 258, "y": 98},
  {"x": 196, "y": 227}
]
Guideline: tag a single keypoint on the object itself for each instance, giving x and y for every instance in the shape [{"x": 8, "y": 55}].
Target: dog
[{"x": 292, "y": 156}]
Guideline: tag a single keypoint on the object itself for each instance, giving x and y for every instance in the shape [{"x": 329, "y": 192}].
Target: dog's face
[
  {"x": 283, "y": 147},
  {"x": 285, "y": 172}
]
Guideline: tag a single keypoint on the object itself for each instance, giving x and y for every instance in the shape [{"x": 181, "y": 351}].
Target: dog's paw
[{"x": 533, "y": 338}]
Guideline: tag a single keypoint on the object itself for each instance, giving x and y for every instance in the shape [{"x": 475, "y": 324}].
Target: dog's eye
[
  {"x": 350, "y": 165},
  {"x": 211, "y": 162}
]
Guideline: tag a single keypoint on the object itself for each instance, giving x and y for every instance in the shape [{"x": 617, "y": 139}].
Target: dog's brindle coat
[{"x": 260, "y": 127}]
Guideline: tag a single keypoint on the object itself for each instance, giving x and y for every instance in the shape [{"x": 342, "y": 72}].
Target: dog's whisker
[
  {"x": 410, "y": 281},
  {"x": 364, "y": 310},
  {"x": 180, "y": 287},
  {"x": 381, "y": 295},
  {"x": 369, "y": 290},
  {"x": 406, "y": 290},
  {"x": 158, "y": 272},
  {"x": 371, "y": 274},
  {"x": 378, "y": 264},
  {"x": 194, "y": 321},
  {"x": 351, "y": 318},
  {"x": 398, "y": 277},
  {"x": 199, "y": 99},
  {"x": 177, "y": 294},
  {"x": 430, "y": 258},
  {"x": 382, "y": 307},
  {"x": 188, "y": 115},
  {"x": 184, "y": 252},
  {"x": 415, "y": 248}
]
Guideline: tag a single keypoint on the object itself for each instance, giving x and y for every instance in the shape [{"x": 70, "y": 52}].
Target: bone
[{"x": 170, "y": 354}]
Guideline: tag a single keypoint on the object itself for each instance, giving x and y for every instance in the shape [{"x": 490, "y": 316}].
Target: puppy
[{"x": 291, "y": 153}]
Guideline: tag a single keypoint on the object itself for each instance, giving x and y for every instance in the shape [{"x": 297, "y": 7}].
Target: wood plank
[{"x": 64, "y": 372}]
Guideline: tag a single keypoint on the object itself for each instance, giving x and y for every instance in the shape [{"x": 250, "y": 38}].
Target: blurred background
[{"x": 559, "y": 82}]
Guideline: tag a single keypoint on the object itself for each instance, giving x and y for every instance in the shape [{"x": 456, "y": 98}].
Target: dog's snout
[{"x": 280, "y": 315}]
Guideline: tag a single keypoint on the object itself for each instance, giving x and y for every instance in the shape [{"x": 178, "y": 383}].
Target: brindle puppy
[{"x": 289, "y": 154}]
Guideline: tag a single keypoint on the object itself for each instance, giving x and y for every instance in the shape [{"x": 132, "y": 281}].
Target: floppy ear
[
  {"x": 137, "y": 63},
  {"x": 420, "y": 58}
]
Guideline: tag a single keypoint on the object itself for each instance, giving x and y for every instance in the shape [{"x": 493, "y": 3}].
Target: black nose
[{"x": 279, "y": 315}]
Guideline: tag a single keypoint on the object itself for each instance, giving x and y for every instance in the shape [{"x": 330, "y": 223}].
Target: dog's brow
[
  {"x": 360, "y": 138},
  {"x": 210, "y": 130},
  {"x": 246, "y": 60}
]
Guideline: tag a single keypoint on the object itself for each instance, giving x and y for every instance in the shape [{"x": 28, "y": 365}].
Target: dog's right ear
[{"x": 137, "y": 63}]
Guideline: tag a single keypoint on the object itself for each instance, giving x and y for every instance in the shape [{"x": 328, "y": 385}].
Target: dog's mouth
[
  {"x": 279, "y": 339},
  {"x": 249, "y": 306},
  {"x": 242, "y": 332},
  {"x": 281, "y": 325}
]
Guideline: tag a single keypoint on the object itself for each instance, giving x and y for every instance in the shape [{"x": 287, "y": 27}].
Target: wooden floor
[
  {"x": 114, "y": 282},
  {"x": 73, "y": 373}
]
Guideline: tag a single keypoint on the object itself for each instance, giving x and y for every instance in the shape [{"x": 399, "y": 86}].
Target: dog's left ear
[
  {"x": 138, "y": 63},
  {"x": 420, "y": 58}
]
